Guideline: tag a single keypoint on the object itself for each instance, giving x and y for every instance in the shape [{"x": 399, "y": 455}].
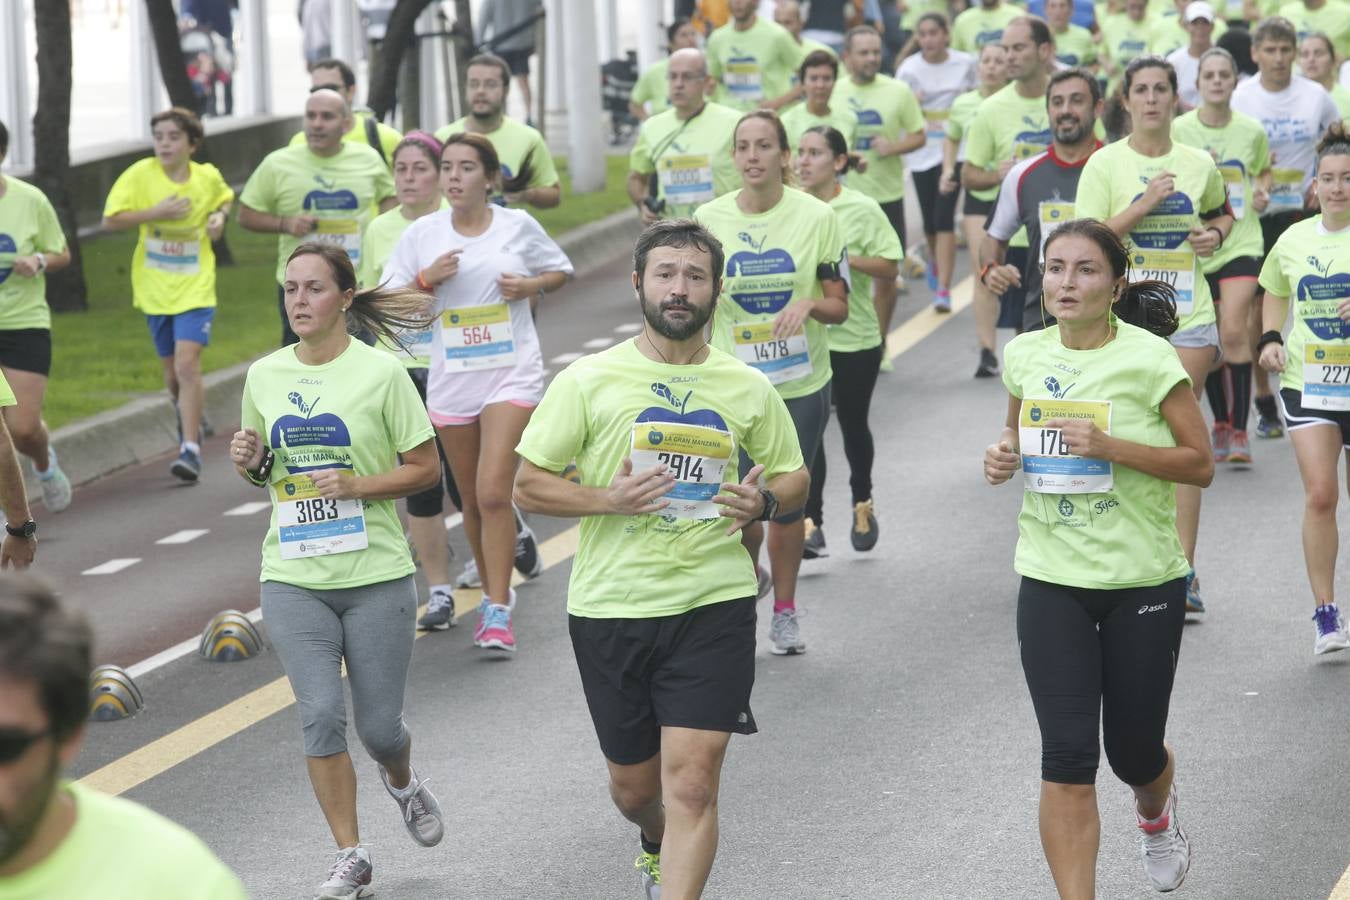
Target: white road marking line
[
  {"x": 563, "y": 359},
  {"x": 630, "y": 328},
  {"x": 178, "y": 651},
  {"x": 112, "y": 566},
  {"x": 599, "y": 343},
  {"x": 248, "y": 509},
  {"x": 183, "y": 537}
]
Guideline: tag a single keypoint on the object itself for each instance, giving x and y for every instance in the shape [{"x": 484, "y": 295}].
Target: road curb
[{"x": 146, "y": 429}]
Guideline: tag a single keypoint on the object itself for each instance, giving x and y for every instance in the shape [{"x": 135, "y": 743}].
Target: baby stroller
[
  {"x": 617, "y": 79},
  {"x": 210, "y": 67}
]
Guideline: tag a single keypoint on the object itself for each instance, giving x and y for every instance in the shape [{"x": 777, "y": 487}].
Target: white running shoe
[
  {"x": 421, "y": 812},
  {"x": 469, "y": 577},
  {"x": 1164, "y": 847},
  {"x": 786, "y": 634},
  {"x": 1331, "y": 633},
  {"x": 349, "y": 876},
  {"x": 56, "y": 490}
]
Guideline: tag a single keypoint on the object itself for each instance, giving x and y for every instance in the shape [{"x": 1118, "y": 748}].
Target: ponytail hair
[
  {"x": 386, "y": 312},
  {"x": 1150, "y": 304},
  {"x": 836, "y": 142}
]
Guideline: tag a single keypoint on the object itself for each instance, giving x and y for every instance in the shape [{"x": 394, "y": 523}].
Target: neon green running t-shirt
[
  {"x": 867, "y": 232},
  {"x": 1007, "y": 126},
  {"x": 28, "y": 225},
  {"x": 1307, "y": 266},
  {"x": 174, "y": 267},
  {"x": 614, "y": 404},
  {"x": 513, "y": 141},
  {"x": 1124, "y": 536},
  {"x": 1116, "y": 175},
  {"x": 119, "y": 850},
  {"x": 342, "y": 190},
  {"x": 772, "y": 260},
  {"x": 978, "y": 26},
  {"x": 1075, "y": 47},
  {"x": 1242, "y": 152},
  {"x": 751, "y": 66},
  {"x": 691, "y": 157},
  {"x": 651, "y": 88},
  {"x": 798, "y": 119},
  {"x": 357, "y": 412},
  {"x": 884, "y": 108}
]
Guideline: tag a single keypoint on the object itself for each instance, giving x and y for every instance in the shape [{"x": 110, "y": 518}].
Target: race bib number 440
[
  {"x": 695, "y": 455},
  {"x": 173, "y": 250},
  {"x": 1048, "y": 468},
  {"x": 310, "y": 525},
  {"x": 1326, "y": 376}
]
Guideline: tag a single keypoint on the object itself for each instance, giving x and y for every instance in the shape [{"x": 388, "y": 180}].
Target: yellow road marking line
[
  {"x": 177, "y": 747},
  {"x": 1342, "y": 889}
]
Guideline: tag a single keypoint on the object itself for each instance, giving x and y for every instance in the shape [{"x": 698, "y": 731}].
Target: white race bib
[
  {"x": 1047, "y": 468},
  {"x": 1286, "y": 191},
  {"x": 937, "y": 124},
  {"x": 1176, "y": 267},
  {"x": 344, "y": 233},
  {"x": 687, "y": 179},
  {"x": 478, "y": 337},
  {"x": 1052, "y": 214},
  {"x": 308, "y": 525},
  {"x": 173, "y": 250},
  {"x": 1326, "y": 377},
  {"x": 696, "y": 455},
  {"x": 780, "y": 359},
  {"x": 743, "y": 79},
  {"x": 1236, "y": 185}
]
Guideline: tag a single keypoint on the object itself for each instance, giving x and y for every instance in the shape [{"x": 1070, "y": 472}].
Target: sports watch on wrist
[
  {"x": 770, "y": 505},
  {"x": 25, "y": 531}
]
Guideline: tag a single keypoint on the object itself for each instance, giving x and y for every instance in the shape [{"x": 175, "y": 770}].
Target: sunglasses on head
[{"x": 14, "y": 742}]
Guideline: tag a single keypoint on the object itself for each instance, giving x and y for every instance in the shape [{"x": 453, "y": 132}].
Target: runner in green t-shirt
[
  {"x": 682, "y": 158},
  {"x": 1125, "y": 35},
  {"x": 63, "y": 840},
  {"x": 982, "y": 24},
  {"x": 333, "y": 430},
  {"x": 788, "y": 13},
  {"x": 20, "y": 540},
  {"x": 324, "y": 191},
  {"x": 786, "y": 279},
  {"x": 752, "y": 60},
  {"x": 528, "y": 173},
  {"x": 365, "y": 129},
  {"x": 1168, "y": 201},
  {"x": 178, "y": 208},
  {"x": 650, "y": 94},
  {"x": 1238, "y": 145},
  {"x": 1329, "y": 17},
  {"x": 1102, "y": 423},
  {"x": 1317, "y": 59},
  {"x": 31, "y": 245},
  {"x": 655, "y": 425},
  {"x": 817, "y": 75},
  {"x": 1074, "y": 44},
  {"x": 890, "y": 124},
  {"x": 856, "y": 344},
  {"x": 1307, "y": 264},
  {"x": 1010, "y": 126}
]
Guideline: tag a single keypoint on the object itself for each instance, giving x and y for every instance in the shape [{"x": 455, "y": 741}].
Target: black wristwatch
[
  {"x": 25, "y": 531},
  {"x": 770, "y": 505}
]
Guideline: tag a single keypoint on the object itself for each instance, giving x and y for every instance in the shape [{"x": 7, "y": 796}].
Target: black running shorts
[{"x": 27, "y": 349}]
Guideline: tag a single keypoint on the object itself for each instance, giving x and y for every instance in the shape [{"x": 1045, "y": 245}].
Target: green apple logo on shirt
[
  {"x": 8, "y": 250},
  {"x": 311, "y": 441},
  {"x": 1319, "y": 297}
]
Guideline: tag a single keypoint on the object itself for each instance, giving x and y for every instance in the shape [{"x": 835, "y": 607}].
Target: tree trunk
[
  {"x": 66, "y": 289},
  {"x": 169, "y": 50},
  {"x": 464, "y": 47},
  {"x": 399, "y": 35}
]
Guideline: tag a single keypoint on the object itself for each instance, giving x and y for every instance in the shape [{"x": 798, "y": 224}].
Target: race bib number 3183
[
  {"x": 1047, "y": 467},
  {"x": 310, "y": 525}
]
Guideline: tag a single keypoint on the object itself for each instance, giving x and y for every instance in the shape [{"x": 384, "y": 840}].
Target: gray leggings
[
  {"x": 809, "y": 414},
  {"x": 371, "y": 627}
]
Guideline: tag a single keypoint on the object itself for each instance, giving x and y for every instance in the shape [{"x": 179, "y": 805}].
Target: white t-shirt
[
  {"x": 935, "y": 86},
  {"x": 479, "y": 360},
  {"x": 1294, "y": 119},
  {"x": 1188, "y": 75}
]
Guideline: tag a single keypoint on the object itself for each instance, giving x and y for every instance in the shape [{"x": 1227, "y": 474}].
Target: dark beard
[
  {"x": 17, "y": 831},
  {"x": 670, "y": 331}
]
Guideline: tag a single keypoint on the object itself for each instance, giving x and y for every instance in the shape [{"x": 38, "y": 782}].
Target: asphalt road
[{"x": 898, "y": 758}]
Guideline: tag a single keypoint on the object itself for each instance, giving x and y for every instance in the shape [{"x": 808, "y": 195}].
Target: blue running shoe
[
  {"x": 1195, "y": 607},
  {"x": 1269, "y": 427}
]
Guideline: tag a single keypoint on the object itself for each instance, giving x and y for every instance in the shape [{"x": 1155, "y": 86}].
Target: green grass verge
[{"x": 103, "y": 357}]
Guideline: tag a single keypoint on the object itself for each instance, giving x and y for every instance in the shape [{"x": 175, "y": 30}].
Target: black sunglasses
[{"x": 13, "y": 742}]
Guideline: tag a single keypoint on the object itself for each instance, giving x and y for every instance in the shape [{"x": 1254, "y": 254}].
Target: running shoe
[
  {"x": 1241, "y": 454},
  {"x": 786, "y": 634},
  {"x": 1269, "y": 427},
  {"x": 765, "y": 582},
  {"x": 988, "y": 364},
  {"x": 440, "y": 612},
  {"x": 421, "y": 812},
  {"x": 887, "y": 364},
  {"x": 1195, "y": 607},
  {"x": 1221, "y": 438},
  {"x": 494, "y": 628},
  {"x": 188, "y": 466},
  {"x": 648, "y": 866},
  {"x": 469, "y": 577},
  {"x": 814, "y": 548},
  {"x": 56, "y": 490},
  {"x": 864, "y": 533},
  {"x": 1164, "y": 847},
  {"x": 528, "y": 561},
  {"x": 942, "y": 301},
  {"x": 349, "y": 876},
  {"x": 1331, "y": 634},
  {"x": 931, "y": 276}
]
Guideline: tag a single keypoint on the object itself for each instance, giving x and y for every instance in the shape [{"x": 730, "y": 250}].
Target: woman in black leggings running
[{"x": 1103, "y": 422}]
